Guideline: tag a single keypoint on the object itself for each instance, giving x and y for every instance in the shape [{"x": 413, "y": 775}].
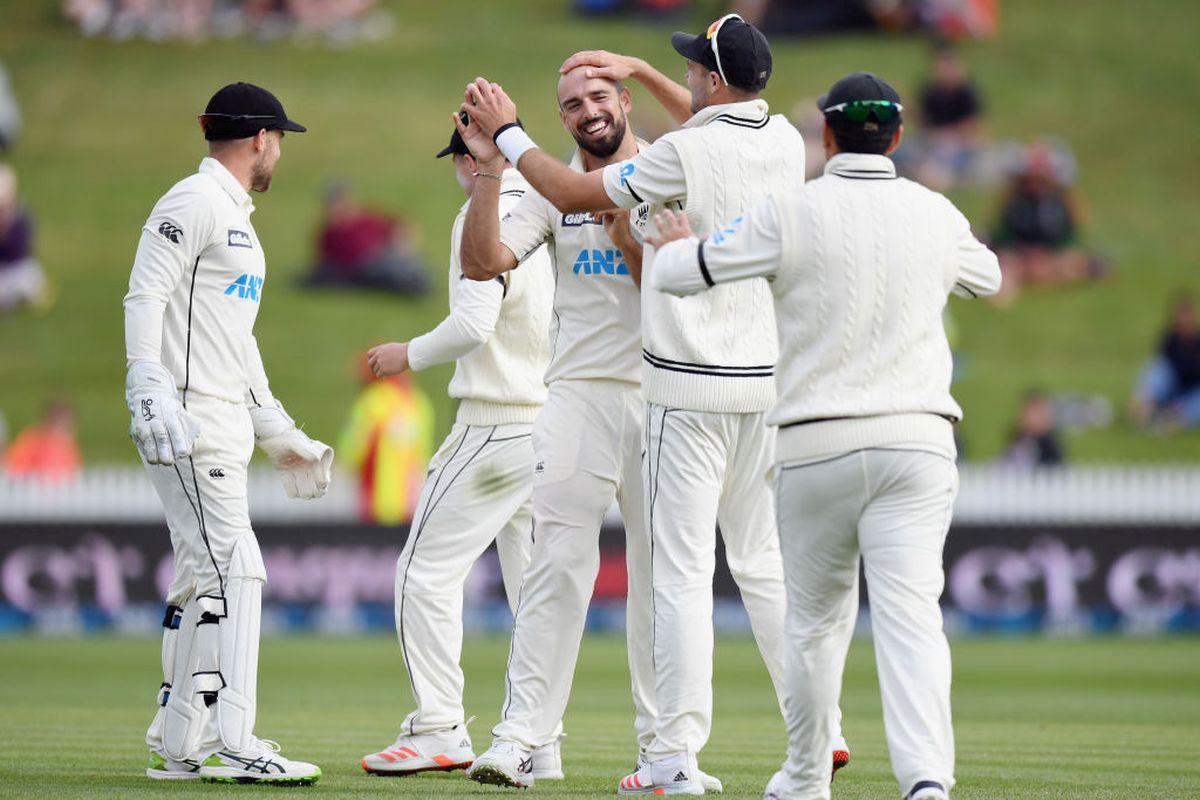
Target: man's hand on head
[
  {"x": 487, "y": 155},
  {"x": 671, "y": 225},
  {"x": 602, "y": 64},
  {"x": 488, "y": 106}
]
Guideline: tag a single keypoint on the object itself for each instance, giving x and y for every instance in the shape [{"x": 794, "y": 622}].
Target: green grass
[
  {"x": 111, "y": 126},
  {"x": 1034, "y": 719}
]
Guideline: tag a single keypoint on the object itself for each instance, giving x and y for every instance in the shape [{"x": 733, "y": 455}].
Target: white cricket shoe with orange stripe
[
  {"x": 677, "y": 774},
  {"x": 423, "y": 752}
]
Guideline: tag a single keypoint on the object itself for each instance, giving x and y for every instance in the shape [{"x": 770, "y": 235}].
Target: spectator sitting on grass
[
  {"x": 951, "y": 113},
  {"x": 1168, "y": 391},
  {"x": 360, "y": 247},
  {"x": 1037, "y": 235},
  {"x": 22, "y": 281},
  {"x": 46, "y": 450},
  {"x": 1035, "y": 440}
]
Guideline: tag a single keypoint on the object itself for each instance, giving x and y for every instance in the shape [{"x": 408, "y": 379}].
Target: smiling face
[{"x": 593, "y": 111}]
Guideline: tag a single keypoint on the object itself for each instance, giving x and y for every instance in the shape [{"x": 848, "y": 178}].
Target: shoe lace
[{"x": 264, "y": 744}]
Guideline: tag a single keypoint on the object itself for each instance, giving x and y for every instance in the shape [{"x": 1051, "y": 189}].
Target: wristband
[{"x": 513, "y": 142}]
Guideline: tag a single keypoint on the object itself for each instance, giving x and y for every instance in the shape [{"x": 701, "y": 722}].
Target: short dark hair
[{"x": 862, "y": 137}]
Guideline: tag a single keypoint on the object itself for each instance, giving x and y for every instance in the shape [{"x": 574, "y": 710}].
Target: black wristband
[
  {"x": 505, "y": 127},
  {"x": 703, "y": 267}
]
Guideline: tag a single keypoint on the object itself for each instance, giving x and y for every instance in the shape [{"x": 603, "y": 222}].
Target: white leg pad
[
  {"x": 237, "y": 700},
  {"x": 170, "y": 646},
  {"x": 197, "y": 676}
]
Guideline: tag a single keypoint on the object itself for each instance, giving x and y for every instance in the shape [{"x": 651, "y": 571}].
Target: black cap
[
  {"x": 240, "y": 110},
  {"x": 741, "y": 55},
  {"x": 457, "y": 146},
  {"x": 858, "y": 86}
]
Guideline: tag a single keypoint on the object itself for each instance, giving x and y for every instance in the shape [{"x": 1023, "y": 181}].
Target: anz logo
[
  {"x": 600, "y": 262},
  {"x": 246, "y": 287}
]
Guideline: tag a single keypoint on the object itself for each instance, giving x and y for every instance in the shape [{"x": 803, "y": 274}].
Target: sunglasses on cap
[
  {"x": 207, "y": 119},
  {"x": 862, "y": 110},
  {"x": 711, "y": 35}
]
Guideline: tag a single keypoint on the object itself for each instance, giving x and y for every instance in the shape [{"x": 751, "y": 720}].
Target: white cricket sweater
[
  {"x": 716, "y": 351},
  {"x": 860, "y": 264},
  {"x": 195, "y": 286},
  {"x": 497, "y": 331}
]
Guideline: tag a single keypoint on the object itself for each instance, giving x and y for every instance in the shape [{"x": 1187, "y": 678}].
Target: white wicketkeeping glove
[
  {"x": 304, "y": 464},
  {"x": 160, "y": 426}
]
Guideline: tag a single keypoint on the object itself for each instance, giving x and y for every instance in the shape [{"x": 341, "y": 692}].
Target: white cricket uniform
[
  {"x": 481, "y": 478},
  {"x": 194, "y": 294},
  {"x": 587, "y": 444},
  {"x": 708, "y": 379},
  {"x": 860, "y": 264}
]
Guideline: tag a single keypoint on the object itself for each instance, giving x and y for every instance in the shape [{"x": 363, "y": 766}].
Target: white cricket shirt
[
  {"x": 860, "y": 263},
  {"x": 496, "y": 332},
  {"x": 714, "y": 352},
  {"x": 595, "y": 329},
  {"x": 197, "y": 280}
]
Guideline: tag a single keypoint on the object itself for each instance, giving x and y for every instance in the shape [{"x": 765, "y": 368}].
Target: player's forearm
[
  {"x": 481, "y": 256},
  {"x": 676, "y": 99},
  {"x": 453, "y": 338},
  {"x": 258, "y": 388},
  {"x": 676, "y": 268},
  {"x": 143, "y": 328},
  {"x": 567, "y": 190}
]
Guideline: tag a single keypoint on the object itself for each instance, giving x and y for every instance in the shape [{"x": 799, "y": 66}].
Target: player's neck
[{"x": 239, "y": 168}]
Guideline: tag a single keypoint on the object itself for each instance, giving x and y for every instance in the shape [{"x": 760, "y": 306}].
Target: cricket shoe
[
  {"x": 261, "y": 762},
  {"x": 547, "y": 762},
  {"x": 439, "y": 751},
  {"x": 504, "y": 764},
  {"x": 927, "y": 790},
  {"x": 161, "y": 768},
  {"x": 841, "y": 754},
  {"x": 774, "y": 790},
  {"x": 677, "y": 774},
  {"x": 711, "y": 783}
]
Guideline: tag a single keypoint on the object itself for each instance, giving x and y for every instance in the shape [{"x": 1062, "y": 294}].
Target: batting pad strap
[
  {"x": 208, "y": 682},
  {"x": 514, "y": 142},
  {"x": 212, "y": 608}
]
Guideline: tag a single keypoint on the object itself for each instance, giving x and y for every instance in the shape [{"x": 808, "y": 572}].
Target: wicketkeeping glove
[
  {"x": 160, "y": 426},
  {"x": 303, "y": 464}
]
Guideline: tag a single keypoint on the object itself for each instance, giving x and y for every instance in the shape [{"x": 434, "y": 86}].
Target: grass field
[
  {"x": 1035, "y": 719},
  {"x": 111, "y": 126}
]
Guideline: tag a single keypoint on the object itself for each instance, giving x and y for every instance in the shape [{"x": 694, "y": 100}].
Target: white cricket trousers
[
  {"x": 893, "y": 507},
  {"x": 587, "y": 445},
  {"x": 477, "y": 491},
  {"x": 204, "y": 500},
  {"x": 702, "y": 468}
]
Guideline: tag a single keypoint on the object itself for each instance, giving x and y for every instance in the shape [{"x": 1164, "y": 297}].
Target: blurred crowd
[{"x": 338, "y": 21}]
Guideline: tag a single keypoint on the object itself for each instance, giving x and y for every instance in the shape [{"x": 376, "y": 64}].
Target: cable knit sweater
[
  {"x": 713, "y": 352},
  {"x": 860, "y": 264}
]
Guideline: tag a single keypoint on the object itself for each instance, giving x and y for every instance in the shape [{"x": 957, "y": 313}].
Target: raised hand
[
  {"x": 478, "y": 142},
  {"x": 488, "y": 106},
  {"x": 671, "y": 225},
  {"x": 602, "y": 64}
]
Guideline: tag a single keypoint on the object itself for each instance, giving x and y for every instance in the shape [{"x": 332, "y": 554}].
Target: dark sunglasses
[{"x": 862, "y": 110}]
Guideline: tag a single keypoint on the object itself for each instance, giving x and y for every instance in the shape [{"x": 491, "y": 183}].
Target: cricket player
[
  {"x": 199, "y": 401},
  {"x": 587, "y": 440},
  {"x": 708, "y": 371},
  {"x": 480, "y": 480},
  {"x": 860, "y": 264}
]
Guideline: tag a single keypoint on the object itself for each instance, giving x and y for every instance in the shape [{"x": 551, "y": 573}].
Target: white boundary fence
[{"x": 1161, "y": 495}]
